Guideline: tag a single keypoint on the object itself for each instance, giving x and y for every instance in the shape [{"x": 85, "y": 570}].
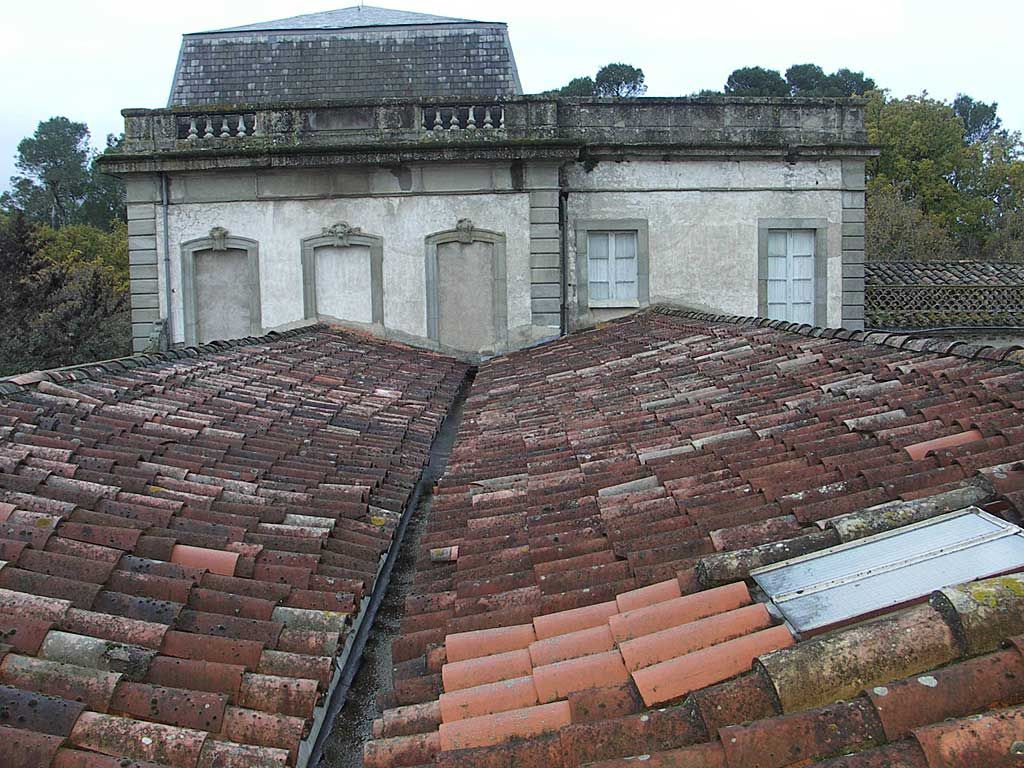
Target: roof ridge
[
  {"x": 24, "y": 382},
  {"x": 349, "y": 17},
  {"x": 85, "y": 371},
  {"x": 911, "y": 342}
]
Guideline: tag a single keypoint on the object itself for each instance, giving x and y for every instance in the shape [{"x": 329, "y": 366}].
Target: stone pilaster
[
  {"x": 853, "y": 244},
  {"x": 545, "y": 246},
  {"x": 143, "y": 195}
]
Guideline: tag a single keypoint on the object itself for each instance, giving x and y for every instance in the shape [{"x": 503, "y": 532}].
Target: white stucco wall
[
  {"x": 703, "y": 223},
  {"x": 279, "y": 226},
  {"x": 702, "y": 219}
]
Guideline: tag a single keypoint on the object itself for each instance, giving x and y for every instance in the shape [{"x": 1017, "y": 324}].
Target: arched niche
[
  {"x": 467, "y": 289},
  {"x": 343, "y": 275},
  {"x": 220, "y": 280}
]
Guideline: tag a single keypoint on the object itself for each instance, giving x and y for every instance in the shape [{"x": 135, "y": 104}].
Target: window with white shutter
[
  {"x": 791, "y": 275},
  {"x": 612, "y": 268}
]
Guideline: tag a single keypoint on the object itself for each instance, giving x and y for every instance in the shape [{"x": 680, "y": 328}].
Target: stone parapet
[{"x": 513, "y": 127}]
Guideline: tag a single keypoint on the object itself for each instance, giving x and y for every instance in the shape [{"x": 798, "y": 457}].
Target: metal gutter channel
[{"x": 348, "y": 662}]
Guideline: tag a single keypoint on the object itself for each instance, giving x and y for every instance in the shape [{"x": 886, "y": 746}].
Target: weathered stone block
[
  {"x": 141, "y": 211},
  {"x": 142, "y": 227},
  {"x": 545, "y": 245},
  {"x": 546, "y": 291}
]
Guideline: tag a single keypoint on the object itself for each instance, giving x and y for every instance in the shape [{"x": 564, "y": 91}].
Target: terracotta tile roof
[
  {"x": 186, "y": 543},
  {"x": 609, "y": 494},
  {"x": 943, "y": 273}
]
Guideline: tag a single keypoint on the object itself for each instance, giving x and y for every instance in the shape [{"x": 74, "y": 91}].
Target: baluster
[
  {"x": 437, "y": 120},
  {"x": 225, "y": 132},
  {"x": 502, "y": 126},
  {"x": 455, "y": 124},
  {"x": 487, "y": 119},
  {"x": 241, "y": 127},
  {"x": 193, "y": 132},
  {"x": 471, "y": 123},
  {"x": 209, "y": 128},
  {"x": 256, "y": 126}
]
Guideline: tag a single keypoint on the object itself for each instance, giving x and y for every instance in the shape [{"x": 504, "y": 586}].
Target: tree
[
  {"x": 973, "y": 187},
  {"x": 85, "y": 316},
  {"x": 54, "y": 162},
  {"x": 620, "y": 80},
  {"x": 81, "y": 243},
  {"x": 756, "y": 81},
  {"x": 1007, "y": 242},
  {"x": 897, "y": 230},
  {"x": 845, "y": 82},
  {"x": 104, "y": 203},
  {"x": 578, "y": 86},
  {"x": 922, "y": 153},
  {"x": 63, "y": 295},
  {"x": 806, "y": 79},
  {"x": 979, "y": 119},
  {"x": 60, "y": 184}
]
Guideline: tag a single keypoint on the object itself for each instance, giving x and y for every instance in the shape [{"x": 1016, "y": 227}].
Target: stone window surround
[
  {"x": 189, "y": 249},
  {"x": 499, "y": 282},
  {"x": 820, "y": 227},
  {"x": 376, "y": 245},
  {"x": 643, "y": 268}
]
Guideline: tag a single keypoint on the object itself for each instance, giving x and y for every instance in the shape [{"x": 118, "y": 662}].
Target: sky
[{"x": 88, "y": 60}]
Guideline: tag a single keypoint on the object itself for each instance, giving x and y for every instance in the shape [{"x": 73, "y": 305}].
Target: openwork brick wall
[{"x": 944, "y": 294}]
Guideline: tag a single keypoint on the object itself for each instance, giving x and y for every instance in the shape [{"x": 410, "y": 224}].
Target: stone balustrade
[
  {"x": 217, "y": 126},
  {"x": 459, "y": 117},
  {"x": 686, "y": 124}
]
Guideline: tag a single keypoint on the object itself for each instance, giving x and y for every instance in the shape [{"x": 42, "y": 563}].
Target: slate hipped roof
[
  {"x": 582, "y": 593},
  {"x": 186, "y": 545},
  {"x": 351, "y": 53}
]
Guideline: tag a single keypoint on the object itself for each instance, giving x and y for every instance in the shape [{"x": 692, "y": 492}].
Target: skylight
[{"x": 827, "y": 588}]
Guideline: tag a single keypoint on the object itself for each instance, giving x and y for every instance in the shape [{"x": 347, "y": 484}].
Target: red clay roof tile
[
  {"x": 682, "y": 610},
  {"x": 415, "y": 749},
  {"x": 487, "y": 669},
  {"x": 908, "y": 642},
  {"x": 213, "y": 677},
  {"x": 677, "y": 677},
  {"x": 992, "y": 740},
  {"x": 574, "y": 619},
  {"x": 666, "y": 644},
  {"x": 493, "y": 729},
  {"x": 741, "y": 699},
  {"x": 571, "y": 645},
  {"x": 816, "y": 733},
  {"x": 280, "y": 695},
  {"x": 20, "y": 748},
  {"x": 224, "y": 650},
  {"x": 558, "y": 680},
  {"x": 172, "y": 706},
  {"x": 124, "y": 737},
  {"x": 655, "y": 593},
  {"x": 954, "y": 691},
  {"x": 215, "y": 561},
  {"x": 262, "y": 729},
  {"x": 38, "y": 712},
  {"x": 490, "y": 698},
  {"x": 226, "y": 754}
]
